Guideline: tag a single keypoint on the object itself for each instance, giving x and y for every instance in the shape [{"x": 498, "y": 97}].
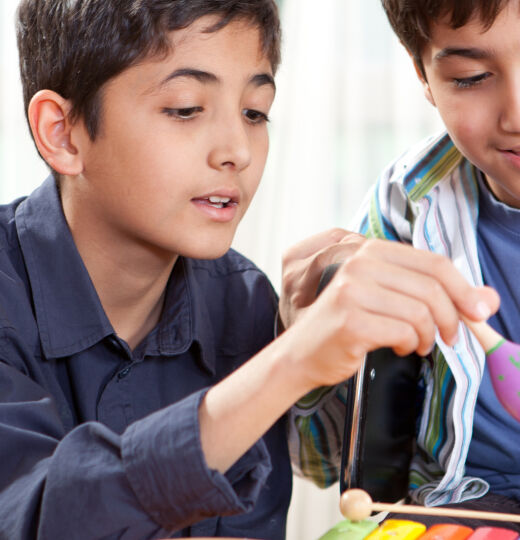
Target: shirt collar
[
  {"x": 438, "y": 160},
  {"x": 185, "y": 319},
  {"x": 68, "y": 311}
]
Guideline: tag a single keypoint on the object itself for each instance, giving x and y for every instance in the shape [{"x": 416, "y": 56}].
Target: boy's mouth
[
  {"x": 513, "y": 150},
  {"x": 220, "y": 206},
  {"x": 219, "y": 202},
  {"x": 216, "y": 201}
]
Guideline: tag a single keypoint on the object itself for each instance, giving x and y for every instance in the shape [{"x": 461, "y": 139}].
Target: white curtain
[
  {"x": 21, "y": 170},
  {"x": 347, "y": 102}
]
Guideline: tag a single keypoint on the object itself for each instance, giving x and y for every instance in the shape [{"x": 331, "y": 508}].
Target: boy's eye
[
  {"x": 255, "y": 117},
  {"x": 468, "y": 82},
  {"x": 184, "y": 113}
]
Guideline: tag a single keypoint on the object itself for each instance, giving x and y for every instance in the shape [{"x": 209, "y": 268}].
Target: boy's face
[
  {"x": 182, "y": 145},
  {"x": 473, "y": 78}
]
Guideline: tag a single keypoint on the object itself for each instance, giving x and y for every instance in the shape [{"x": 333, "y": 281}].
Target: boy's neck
[
  {"x": 132, "y": 306},
  {"x": 131, "y": 292},
  {"x": 130, "y": 279}
]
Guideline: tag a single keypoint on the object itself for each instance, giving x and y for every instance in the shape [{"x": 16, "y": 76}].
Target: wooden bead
[{"x": 355, "y": 504}]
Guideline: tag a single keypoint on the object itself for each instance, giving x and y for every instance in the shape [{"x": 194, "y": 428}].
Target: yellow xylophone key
[{"x": 397, "y": 529}]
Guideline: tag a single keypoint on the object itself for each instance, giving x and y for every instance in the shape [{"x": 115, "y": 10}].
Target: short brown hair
[
  {"x": 74, "y": 47},
  {"x": 411, "y": 19}
]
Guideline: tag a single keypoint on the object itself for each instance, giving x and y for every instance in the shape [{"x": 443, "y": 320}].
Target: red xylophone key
[{"x": 493, "y": 533}]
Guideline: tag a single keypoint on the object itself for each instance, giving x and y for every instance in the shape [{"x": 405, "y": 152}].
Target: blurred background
[{"x": 347, "y": 103}]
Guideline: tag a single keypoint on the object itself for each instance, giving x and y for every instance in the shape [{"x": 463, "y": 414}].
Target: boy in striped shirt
[{"x": 458, "y": 194}]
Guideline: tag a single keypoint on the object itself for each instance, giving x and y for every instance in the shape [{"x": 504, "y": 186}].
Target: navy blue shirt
[
  {"x": 98, "y": 441},
  {"x": 493, "y": 452}
]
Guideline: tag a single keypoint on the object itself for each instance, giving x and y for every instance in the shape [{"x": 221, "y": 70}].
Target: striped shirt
[{"x": 427, "y": 198}]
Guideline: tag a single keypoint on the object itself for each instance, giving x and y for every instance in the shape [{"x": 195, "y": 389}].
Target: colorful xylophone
[
  {"x": 397, "y": 529},
  {"x": 357, "y": 505}
]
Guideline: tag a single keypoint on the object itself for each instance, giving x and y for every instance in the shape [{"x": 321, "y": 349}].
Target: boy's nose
[
  {"x": 230, "y": 146},
  {"x": 510, "y": 113}
]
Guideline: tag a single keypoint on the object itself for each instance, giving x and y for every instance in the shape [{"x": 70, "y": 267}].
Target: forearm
[
  {"x": 239, "y": 410},
  {"x": 258, "y": 401},
  {"x": 93, "y": 483}
]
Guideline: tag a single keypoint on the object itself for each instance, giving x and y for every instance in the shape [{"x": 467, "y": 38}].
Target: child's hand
[
  {"x": 304, "y": 263},
  {"x": 385, "y": 294}
]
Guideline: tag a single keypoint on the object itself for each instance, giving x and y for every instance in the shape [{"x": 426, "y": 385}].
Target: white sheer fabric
[
  {"x": 21, "y": 170},
  {"x": 348, "y": 102}
]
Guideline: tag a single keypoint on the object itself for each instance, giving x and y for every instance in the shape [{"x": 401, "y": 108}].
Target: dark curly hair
[{"x": 412, "y": 19}]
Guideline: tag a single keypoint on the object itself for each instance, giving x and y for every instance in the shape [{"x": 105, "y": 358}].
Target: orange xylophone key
[{"x": 447, "y": 531}]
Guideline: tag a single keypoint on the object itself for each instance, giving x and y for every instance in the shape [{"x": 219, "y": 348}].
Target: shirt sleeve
[
  {"x": 316, "y": 424},
  {"x": 92, "y": 483}
]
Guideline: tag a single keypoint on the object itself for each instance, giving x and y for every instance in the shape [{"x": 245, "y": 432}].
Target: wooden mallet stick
[{"x": 356, "y": 505}]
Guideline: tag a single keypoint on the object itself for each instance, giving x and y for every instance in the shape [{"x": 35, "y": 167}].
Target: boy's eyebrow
[
  {"x": 199, "y": 75},
  {"x": 263, "y": 78},
  {"x": 473, "y": 53},
  {"x": 205, "y": 77}
]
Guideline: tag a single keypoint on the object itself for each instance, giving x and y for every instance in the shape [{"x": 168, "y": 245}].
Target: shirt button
[
  {"x": 114, "y": 342},
  {"x": 124, "y": 373}
]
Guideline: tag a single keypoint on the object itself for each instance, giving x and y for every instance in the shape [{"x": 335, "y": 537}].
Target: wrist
[{"x": 290, "y": 368}]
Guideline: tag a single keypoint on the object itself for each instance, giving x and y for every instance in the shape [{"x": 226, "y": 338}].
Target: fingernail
[
  {"x": 430, "y": 349},
  {"x": 482, "y": 310},
  {"x": 453, "y": 340}
]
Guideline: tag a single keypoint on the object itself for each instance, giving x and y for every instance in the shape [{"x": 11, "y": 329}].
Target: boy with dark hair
[
  {"x": 103, "y": 323},
  {"x": 458, "y": 194},
  {"x": 139, "y": 397}
]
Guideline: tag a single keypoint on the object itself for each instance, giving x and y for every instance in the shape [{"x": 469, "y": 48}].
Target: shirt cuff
[{"x": 163, "y": 459}]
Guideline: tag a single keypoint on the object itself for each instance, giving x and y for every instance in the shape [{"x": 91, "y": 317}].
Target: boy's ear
[
  {"x": 426, "y": 87},
  {"x": 52, "y": 131}
]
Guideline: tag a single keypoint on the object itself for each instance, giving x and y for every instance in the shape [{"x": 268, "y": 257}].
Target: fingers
[
  {"x": 387, "y": 294},
  {"x": 316, "y": 243},
  {"x": 413, "y": 318},
  {"x": 314, "y": 266},
  {"x": 413, "y": 297},
  {"x": 418, "y": 288},
  {"x": 379, "y": 331},
  {"x": 329, "y": 342},
  {"x": 303, "y": 265},
  {"x": 384, "y": 294},
  {"x": 332, "y": 338},
  {"x": 486, "y": 304},
  {"x": 474, "y": 302}
]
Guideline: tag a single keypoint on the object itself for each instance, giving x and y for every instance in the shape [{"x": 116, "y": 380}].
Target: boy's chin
[{"x": 208, "y": 252}]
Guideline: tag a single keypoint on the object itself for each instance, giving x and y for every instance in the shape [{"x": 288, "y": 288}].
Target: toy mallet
[
  {"x": 357, "y": 505},
  {"x": 503, "y": 359}
]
